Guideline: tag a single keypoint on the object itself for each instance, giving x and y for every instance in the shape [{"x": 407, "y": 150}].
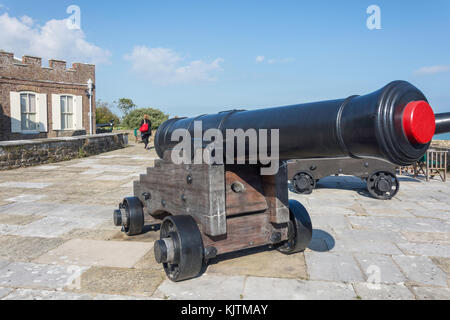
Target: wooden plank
[
  {"x": 252, "y": 198},
  {"x": 277, "y": 196},
  {"x": 245, "y": 232}
]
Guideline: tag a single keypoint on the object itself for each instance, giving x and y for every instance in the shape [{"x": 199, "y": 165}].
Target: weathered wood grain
[{"x": 252, "y": 198}]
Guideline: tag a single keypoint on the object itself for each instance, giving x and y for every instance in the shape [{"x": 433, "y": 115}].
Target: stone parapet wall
[{"x": 26, "y": 153}]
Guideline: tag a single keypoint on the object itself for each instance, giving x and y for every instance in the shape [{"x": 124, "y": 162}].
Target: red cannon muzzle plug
[{"x": 419, "y": 122}]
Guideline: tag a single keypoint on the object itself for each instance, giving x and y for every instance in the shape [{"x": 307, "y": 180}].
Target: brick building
[{"x": 41, "y": 102}]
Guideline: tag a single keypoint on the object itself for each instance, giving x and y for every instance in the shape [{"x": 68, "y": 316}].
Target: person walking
[{"x": 146, "y": 129}]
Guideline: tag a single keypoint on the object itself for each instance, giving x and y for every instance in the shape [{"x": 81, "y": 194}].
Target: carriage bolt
[
  {"x": 147, "y": 196},
  {"x": 210, "y": 253},
  {"x": 237, "y": 187},
  {"x": 275, "y": 237},
  {"x": 164, "y": 250}
]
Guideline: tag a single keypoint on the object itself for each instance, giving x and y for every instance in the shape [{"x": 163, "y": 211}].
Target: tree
[
  {"x": 126, "y": 105},
  {"x": 134, "y": 118},
  {"x": 103, "y": 113}
]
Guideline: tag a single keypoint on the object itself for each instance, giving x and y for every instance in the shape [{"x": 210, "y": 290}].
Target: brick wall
[{"x": 29, "y": 75}]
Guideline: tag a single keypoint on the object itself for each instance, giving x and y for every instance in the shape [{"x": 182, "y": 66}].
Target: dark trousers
[{"x": 145, "y": 138}]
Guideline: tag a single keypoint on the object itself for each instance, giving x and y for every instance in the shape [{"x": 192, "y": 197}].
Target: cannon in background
[
  {"x": 380, "y": 175},
  {"x": 207, "y": 210}
]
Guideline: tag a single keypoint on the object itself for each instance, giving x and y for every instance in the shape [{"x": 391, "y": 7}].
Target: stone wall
[
  {"x": 29, "y": 75},
  {"x": 16, "y": 154}
]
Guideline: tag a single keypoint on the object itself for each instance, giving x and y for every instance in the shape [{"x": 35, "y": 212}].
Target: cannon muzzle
[
  {"x": 395, "y": 123},
  {"x": 443, "y": 123}
]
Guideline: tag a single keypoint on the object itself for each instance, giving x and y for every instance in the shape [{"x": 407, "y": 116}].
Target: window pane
[
  {"x": 69, "y": 121},
  {"x": 70, "y": 104},
  {"x": 63, "y": 104},
  {"x": 32, "y": 106},
  {"x": 32, "y": 123},
  {"x": 24, "y": 121},
  {"x": 63, "y": 122},
  {"x": 23, "y": 102}
]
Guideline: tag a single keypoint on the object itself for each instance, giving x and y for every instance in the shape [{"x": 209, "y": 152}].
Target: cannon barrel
[
  {"x": 443, "y": 123},
  {"x": 395, "y": 123}
]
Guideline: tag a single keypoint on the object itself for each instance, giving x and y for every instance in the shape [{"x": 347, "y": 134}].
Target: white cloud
[
  {"x": 283, "y": 60},
  {"x": 53, "y": 40},
  {"x": 163, "y": 66},
  {"x": 27, "y": 20},
  {"x": 432, "y": 70},
  {"x": 260, "y": 59}
]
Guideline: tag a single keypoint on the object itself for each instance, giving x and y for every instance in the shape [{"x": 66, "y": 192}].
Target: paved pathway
[{"x": 57, "y": 241}]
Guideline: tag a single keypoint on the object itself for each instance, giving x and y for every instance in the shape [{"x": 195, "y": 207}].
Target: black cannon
[{"x": 208, "y": 209}]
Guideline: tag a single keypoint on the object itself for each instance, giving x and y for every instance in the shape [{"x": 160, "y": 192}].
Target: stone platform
[{"x": 57, "y": 241}]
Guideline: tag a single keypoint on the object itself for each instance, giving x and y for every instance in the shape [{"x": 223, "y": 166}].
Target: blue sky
[{"x": 195, "y": 57}]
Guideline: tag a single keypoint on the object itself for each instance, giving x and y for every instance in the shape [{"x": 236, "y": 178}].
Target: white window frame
[
  {"x": 36, "y": 113},
  {"x": 73, "y": 111}
]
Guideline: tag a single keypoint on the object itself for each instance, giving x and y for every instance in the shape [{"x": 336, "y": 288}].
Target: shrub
[
  {"x": 134, "y": 118},
  {"x": 104, "y": 115}
]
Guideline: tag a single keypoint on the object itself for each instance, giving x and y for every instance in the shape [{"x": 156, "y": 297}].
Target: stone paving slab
[
  {"x": 53, "y": 227},
  {"x": 433, "y": 213},
  {"x": 59, "y": 210},
  {"x": 399, "y": 224},
  {"x": 339, "y": 267},
  {"x": 26, "y": 198},
  {"x": 383, "y": 292},
  {"x": 287, "y": 289},
  {"x": 381, "y": 247},
  {"x": 119, "y": 281},
  {"x": 443, "y": 263},
  {"x": 423, "y": 293},
  {"x": 14, "y": 248},
  {"x": 33, "y": 276},
  {"x": 18, "y": 220},
  {"x": 421, "y": 270},
  {"x": 24, "y": 185},
  {"x": 97, "y": 253},
  {"x": 4, "y": 263},
  {"x": 369, "y": 236},
  {"x": 4, "y": 292},
  {"x": 388, "y": 272},
  {"x": 267, "y": 263},
  {"x": 106, "y": 297},
  {"x": 427, "y": 237},
  {"x": 426, "y": 249},
  {"x": 29, "y": 294},
  {"x": 207, "y": 287}
]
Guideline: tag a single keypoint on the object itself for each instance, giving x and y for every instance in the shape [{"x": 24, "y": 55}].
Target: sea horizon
[{"x": 445, "y": 136}]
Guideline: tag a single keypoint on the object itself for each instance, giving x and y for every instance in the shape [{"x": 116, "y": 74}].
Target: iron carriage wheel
[
  {"x": 180, "y": 248},
  {"x": 304, "y": 183},
  {"x": 300, "y": 230},
  {"x": 383, "y": 185}
]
